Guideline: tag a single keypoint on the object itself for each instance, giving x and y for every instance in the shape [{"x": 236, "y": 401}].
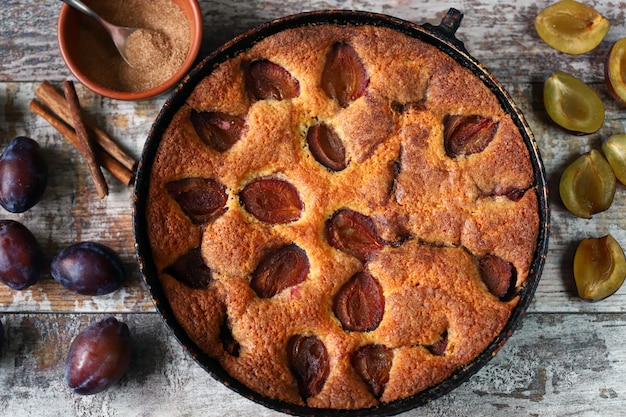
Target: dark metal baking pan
[{"x": 441, "y": 36}]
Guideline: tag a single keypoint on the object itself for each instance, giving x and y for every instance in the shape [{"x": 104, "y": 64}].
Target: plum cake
[{"x": 342, "y": 215}]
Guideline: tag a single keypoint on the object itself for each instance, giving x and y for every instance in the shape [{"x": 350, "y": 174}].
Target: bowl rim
[
  {"x": 243, "y": 42},
  {"x": 196, "y": 42}
]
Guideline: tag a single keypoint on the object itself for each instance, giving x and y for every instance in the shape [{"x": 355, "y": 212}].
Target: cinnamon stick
[
  {"x": 83, "y": 139},
  {"x": 105, "y": 160},
  {"x": 54, "y": 100}
]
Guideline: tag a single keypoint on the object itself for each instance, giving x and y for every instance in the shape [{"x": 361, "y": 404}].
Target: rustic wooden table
[{"x": 568, "y": 357}]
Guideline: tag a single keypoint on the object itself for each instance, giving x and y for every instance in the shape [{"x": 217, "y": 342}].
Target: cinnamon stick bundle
[
  {"x": 55, "y": 109},
  {"x": 105, "y": 160}
]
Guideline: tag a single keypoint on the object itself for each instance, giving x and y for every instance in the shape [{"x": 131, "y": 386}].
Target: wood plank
[
  {"x": 70, "y": 211},
  {"x": 549, "y": 367},
  {"x": 500, "y": 35},
  {"x": 557, "y": 290},
  {"x": 567, "y": 357}
]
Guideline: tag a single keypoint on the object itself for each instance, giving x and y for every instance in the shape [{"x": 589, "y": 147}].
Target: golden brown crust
[{"x": 436, "y": 215}]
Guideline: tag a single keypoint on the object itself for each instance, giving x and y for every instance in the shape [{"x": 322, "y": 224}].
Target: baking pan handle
[{"x": 448, "y": 27}]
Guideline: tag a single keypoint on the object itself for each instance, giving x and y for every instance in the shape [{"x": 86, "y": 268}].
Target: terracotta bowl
[{"x": 67, "y": 36}]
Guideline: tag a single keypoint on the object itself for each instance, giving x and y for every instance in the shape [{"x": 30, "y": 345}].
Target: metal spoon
[{"x": 119, "y": 34}]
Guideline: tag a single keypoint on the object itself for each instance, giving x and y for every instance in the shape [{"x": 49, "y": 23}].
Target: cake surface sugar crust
[{"x": 342, "y": 216}]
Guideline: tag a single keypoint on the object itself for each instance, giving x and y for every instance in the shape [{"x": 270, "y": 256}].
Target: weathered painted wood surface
[
  {"x": 566, "y": 359},
  {"x": 555, "y": 365}
]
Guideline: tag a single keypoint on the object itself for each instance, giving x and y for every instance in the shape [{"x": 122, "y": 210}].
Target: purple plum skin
[
  {"x": 98, "y": 357},
  {"x": 88, "y": 268},
  {"x": 21, "y": 257},
  {"x": 23, "y": 175}
]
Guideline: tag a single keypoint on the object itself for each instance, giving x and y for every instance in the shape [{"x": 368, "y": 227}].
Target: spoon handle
[
  {"x": 79, "y": 5},
  {"x": 119, "y": 34}
]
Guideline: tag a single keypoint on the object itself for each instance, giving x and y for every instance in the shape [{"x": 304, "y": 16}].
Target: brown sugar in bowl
[{"x": 114, "y": 80}]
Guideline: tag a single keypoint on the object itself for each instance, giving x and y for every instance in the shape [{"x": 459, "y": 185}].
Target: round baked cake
[{"x": 342, "y": 216}]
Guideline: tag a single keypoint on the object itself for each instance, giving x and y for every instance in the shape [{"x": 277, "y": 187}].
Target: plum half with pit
[{"x": 571, "y": 27}]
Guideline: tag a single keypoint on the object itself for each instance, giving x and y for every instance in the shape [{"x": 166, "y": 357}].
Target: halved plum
[
  {"x": 439, "y": 347},
  {"x": 272, "y": 200},
  {"x": 614, "y": 148},
  {"x": 327, "y": 147},
  {"x": 360, "y": 303},
  {"x": 588, "y": 185},
  {"x": 354, "y": 233},
  {"x": 467, "y": 134},
  {"x": 372, "y": 364},
  {"x": 309, "y": 362},
  {"x": 280, "y": 269},
  {"x": 572, "y": 104},
  {"x": 615, "y": 70},
  {"x": 344, "y": 77},
  {"x": 571, "y": 27},
  {"x": 498, "y": 275},
  {"x": 191, "y": 270},
  {"x": 599, "y": 267},
  {"x": 268, "y": 80},
  {"x": 201, "y": 199},
  {"x": 219, "y": 131}
]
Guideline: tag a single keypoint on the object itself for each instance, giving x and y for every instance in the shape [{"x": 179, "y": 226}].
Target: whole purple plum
[
  {"x": 98, "y": 356},
  {"x": 88, "y": 268},
  {"x": 23, "y": 175},
  {"x": 21, "y": 257}
]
